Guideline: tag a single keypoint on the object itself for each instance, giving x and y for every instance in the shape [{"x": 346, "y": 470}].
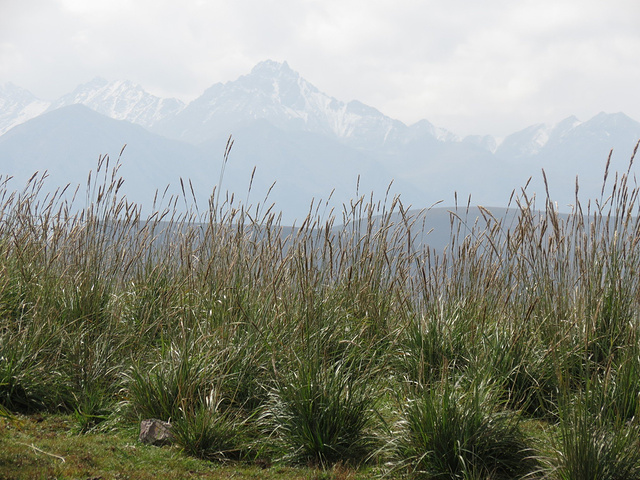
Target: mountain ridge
[
  {"x": 124, "y": 100},
  {"x": 309, "y": 142},
  {"x": 17, "y": 105},
  {"x": 121, "y": 100},
  {"x": 67, "y": 143}
]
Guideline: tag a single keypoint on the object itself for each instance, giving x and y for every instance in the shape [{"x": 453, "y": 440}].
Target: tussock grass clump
[
  {"x": 259, "y": 340},
  {"x": 456, "y": 429},
  {"x": 209, "y": 434},
  {"x": 162, "y": 388},
  {"x": 323, "y": 412},
  {"x": 26, "y": 385},
  {"x": 592, "y": 444}
]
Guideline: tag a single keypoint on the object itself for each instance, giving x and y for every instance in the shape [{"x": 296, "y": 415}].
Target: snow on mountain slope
[
  {"x": 572, "y": 137},
  {"x": 572, "y": 150},
  {"x": 274, "y": 92},
  {"x": 525, "y": 143},
  {"x": 310, "y": 142},
  {"x": 561, "y": 130},
  {"x": 424, "y": 127},
  {"x": 121, "y": 100},
  {"x": 306, "y": 167},
  {"x": 573, "y": 145},
  {"x": 18, "y": 105}
]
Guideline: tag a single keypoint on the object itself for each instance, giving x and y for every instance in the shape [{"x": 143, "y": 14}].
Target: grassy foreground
[
  {"x": 43, "y": 447},
  {"x": 323, "y": 351}
]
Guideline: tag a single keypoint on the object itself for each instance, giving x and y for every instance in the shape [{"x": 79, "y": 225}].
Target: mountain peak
[
  {"x": 272, "y": 74},
  {"x": 271, "y": 67},
  {"x": 274, "y": 92},
  {"x": 99, "y": 87},
  {"x": 17, "y": 105},
  {"x": 95, "y": 82},
  {"x": 611, "y": 118},
  {"x": 12, "y": 93},
  {"x": 121, "y": 100},
  {"x": 10, "y": 88}
]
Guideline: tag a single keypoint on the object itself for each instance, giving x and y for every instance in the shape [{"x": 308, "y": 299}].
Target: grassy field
[
  {"x": 322, "y": 351},
  {"x": 41, "y": 447}
]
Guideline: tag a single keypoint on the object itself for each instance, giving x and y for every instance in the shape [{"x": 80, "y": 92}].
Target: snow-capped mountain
[
  {"x": 303, "y": 139},
  {"x": 425, "y": 127},
  {"x": 525, "y": 143},
  {"x": 487, "y": 142},
  {"x": 533, "y": 139},
  {"x": 572, "y": 149},
  {"x": 306, "y": 167},
  {"x": 274, "y": 92},
  {"x": 18, "y": 105},
  {"x": 121, "y": 100},
  {"x": 571, "y": 136}
]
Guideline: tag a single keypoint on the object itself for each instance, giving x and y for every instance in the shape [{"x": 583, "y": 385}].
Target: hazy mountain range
[{"x": 312, "y": 145}]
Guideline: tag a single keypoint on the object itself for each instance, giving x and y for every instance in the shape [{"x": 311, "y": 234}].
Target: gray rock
[{"x": 155, "y": 432}]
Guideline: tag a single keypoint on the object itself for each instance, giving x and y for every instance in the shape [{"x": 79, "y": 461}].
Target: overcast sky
[{"x": 471, "y": 66}]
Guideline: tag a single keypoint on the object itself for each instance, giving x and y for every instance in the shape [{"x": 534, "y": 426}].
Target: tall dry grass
[{"x": 247, "y": 333}]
